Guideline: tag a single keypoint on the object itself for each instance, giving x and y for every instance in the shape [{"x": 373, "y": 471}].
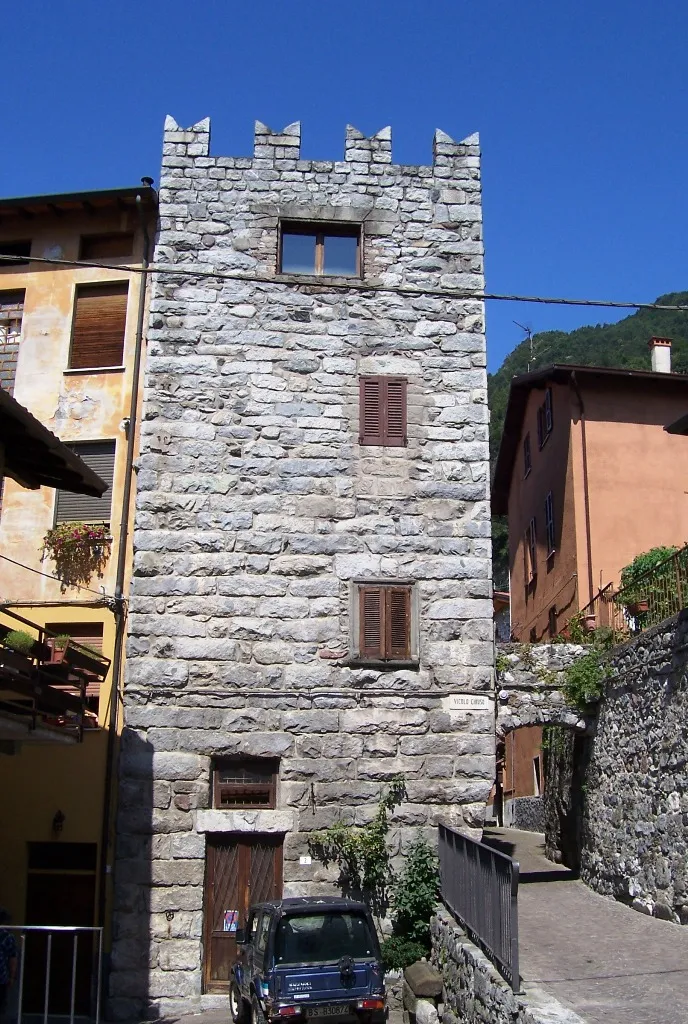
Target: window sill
[
  {"x": 412, "y": 664},
  {"x": 290, "y": 278},
  {"x": 80, "y": 371}
]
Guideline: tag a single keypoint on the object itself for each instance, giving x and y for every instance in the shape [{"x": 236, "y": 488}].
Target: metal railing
[
  {"x": 39, "y": 688},
  {"x": 657, "y": 595},
  {"x": 480, "y": 887},
  {"x": 72, "y": 977}
]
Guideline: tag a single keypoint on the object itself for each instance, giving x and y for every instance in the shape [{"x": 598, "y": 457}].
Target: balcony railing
[
  {"x": 657, "y": 595},
  {"x": 44, "y": 683}
]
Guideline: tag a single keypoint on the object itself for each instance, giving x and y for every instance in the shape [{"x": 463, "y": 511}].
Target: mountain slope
[{"x": 623, "y": 344}]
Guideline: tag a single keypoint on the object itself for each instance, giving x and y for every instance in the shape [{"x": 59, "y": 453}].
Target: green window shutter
[{"x": 100, "y": 457}]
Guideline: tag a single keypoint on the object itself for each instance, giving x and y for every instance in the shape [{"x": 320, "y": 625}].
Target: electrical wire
[
  {"x": 330, "y": 284},
  {"x": 99, "y": 593}
]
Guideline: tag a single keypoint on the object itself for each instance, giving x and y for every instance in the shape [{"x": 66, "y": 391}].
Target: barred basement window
[
  {"x": 385, "y": 622},
  {"x": 100, "y": 315},
  {"x": 245, "y": 783},
  {"x": 382, "y": 411}
]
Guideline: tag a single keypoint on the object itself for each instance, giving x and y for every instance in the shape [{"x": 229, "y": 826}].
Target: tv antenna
[{"x": 529, "y": 336}]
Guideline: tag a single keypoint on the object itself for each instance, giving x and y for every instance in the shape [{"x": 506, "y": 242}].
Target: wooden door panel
[{"x": 240, "y": 871}]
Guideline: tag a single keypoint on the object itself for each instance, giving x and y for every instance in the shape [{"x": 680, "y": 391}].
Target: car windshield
[{"x": 322, "y": 938}]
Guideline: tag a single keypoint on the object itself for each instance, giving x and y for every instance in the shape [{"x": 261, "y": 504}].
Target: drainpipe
[
  {"x": 586, "y": 488},
  {"x": 119, "y": 604}
]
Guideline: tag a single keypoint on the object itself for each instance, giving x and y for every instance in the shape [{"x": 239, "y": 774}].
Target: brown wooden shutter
[
  {"x": 398, "y": 622},
  {"x": 395, "y": 411},
  {"x": 372, "y": 626},
  {"x": 100, "y": 313},
  {"x": 371, "y": 405}
]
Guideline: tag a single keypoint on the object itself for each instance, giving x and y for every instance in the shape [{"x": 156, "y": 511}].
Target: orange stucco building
[{"x": 589, "y": 478}]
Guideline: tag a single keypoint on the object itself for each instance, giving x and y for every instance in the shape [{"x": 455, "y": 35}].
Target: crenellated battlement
[{"x": 273, "y": 148}]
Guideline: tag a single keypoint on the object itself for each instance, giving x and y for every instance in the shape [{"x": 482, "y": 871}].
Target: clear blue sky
[{"x": 581, "y": 106}]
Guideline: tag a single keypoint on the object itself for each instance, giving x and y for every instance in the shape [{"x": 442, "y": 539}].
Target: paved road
[{"x": 608, "y": 963}]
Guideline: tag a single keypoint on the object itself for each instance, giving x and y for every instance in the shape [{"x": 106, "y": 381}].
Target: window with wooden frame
[
  {"x": 329, "y": 250},
  {"x": 382, "y": 411},
  {"x": 115, "y": 245},
  {"x": 100, "y": 316},
  {"x": 549, "y": 524},
  {"x": 527, "y": 461},
  {"x": 385, "y": 622},
  {"x": 240, "y": 784},
  {"x": 530, "y": 551},
  {"x": 84, "y": 508}
]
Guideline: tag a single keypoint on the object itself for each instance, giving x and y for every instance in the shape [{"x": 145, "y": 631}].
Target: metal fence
[
  {"x": 658, "y": 594},
  {"x": 57, "y": 977},
  {"x": 480, "y": 887}
]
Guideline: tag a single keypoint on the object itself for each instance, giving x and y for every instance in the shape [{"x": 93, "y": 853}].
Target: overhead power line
[{"x": 329, "y": 284}]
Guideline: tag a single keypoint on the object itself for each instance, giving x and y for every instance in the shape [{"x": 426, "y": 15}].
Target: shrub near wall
[{"x": 635, "y": 838}]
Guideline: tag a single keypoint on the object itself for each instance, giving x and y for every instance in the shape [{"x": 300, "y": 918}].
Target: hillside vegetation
[{"x": 623, "y": 344}]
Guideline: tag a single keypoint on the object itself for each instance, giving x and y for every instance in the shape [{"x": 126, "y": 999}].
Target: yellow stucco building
[{"x": 71, "y": 350}]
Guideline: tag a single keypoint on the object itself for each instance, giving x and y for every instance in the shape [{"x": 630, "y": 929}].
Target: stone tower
[{"x": 312, "y": 600}]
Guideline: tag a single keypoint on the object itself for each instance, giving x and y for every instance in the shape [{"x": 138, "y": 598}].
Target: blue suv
[{"x": 308, "y": 959}]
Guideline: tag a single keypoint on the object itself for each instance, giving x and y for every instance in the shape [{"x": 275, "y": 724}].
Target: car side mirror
[{"x": 241, "y": 936}]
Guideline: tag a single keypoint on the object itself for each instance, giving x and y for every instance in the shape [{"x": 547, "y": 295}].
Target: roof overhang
[
  {"x": 92, "y": 202},
  {"x": 34, "y": 457}
]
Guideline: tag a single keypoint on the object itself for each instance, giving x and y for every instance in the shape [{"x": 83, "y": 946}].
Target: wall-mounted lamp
[{"x": 58, "y": 821}]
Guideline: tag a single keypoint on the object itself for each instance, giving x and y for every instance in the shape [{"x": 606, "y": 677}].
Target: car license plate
[{"x": 333, "y": 1010}]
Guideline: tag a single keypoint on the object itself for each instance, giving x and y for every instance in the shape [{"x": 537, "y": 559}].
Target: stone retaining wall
[
  {"x": 635, "y": 833},
  {"x": 474, "y": 992}
]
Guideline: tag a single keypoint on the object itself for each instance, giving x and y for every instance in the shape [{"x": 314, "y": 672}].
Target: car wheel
[
  {"x": 237, "y": 1006},
  {"x": 257, "y": 1015}
]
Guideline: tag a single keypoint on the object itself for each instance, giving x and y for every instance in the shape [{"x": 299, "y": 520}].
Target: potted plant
[
  {"x": 639, "y": 607},
  {"x": 58, "y": 645},
  {"x": 79, "y": 551},
  {"x": 17, "y": 651}
]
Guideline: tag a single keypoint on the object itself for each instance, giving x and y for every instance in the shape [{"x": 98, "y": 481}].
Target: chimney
[{"x": 661, "y": 354}]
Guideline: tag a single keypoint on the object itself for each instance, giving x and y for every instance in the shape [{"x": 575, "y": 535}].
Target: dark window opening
[
  {"x": 250, "y": 782},
  {"x": 382, "y": 411},
  {"x": 320, "y": 249},
  {"x": 527, "y": 463},
  {"x": 69, "y": 507},
  {"x": 384, "y": 622},
  {"x": 119, "y": 244},
  {"x": 537, "y": 772},
  {"x": 100, "y": 316},
  {"x": 552, "y": 621},
  {"x": 62, "y": 856},
  {"x": 545, "y": 419},
  {"x": 549, "y": 524},
  {"x": 530, "y": 551},
  {"x": 20, "y": 251}
]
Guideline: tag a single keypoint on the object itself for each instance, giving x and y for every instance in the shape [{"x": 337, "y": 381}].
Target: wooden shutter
[
  {"x": 382, "y": 411},
  {"x": 395, "y": 411},
  {"x": 372, "y": 613},
  {"x": 398, "y": 622},
  {"x": 100, "y": 456},
  {"x": 371, "y": 404},
  {"x": 100, "y": 313}
]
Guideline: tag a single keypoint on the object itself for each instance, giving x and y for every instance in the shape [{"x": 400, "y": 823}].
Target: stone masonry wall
[
  {"x": 257, "y": 509},
  {"x": 635, "y": 833},
  {"x": 474, "y": 993}
]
